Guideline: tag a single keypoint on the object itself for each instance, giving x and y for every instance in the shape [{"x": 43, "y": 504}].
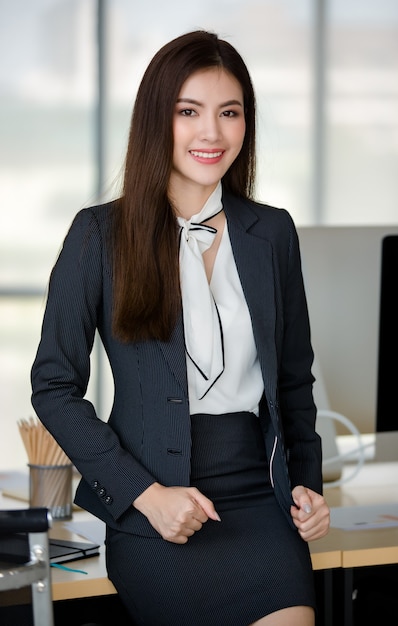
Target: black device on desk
[{"x": 15, "y": 549}]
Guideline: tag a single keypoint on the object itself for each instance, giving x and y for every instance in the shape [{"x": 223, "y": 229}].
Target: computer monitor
[{"x": 387, "y": 376}]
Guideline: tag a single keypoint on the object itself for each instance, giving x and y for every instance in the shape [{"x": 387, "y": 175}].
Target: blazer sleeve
[
  {"x": 297, "y": 407},
  {"x": 61, "y": 371}
]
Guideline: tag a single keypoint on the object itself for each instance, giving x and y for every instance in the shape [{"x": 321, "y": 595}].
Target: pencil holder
[{"x": 50, "y": 486}]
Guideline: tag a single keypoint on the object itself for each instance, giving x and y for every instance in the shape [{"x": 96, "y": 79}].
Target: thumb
[
  {"x": 302, "y": 499},
  {"x": 207, "y": 506}
]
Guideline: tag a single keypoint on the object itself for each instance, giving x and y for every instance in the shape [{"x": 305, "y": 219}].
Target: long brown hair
[{"x": 145, "y": 243}]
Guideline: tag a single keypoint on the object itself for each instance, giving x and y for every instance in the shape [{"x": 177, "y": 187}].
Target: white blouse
[{"x": 240, "y": 386}]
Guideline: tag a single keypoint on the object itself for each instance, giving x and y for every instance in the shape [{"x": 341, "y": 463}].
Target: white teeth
[{"x": 206, "y": 155}]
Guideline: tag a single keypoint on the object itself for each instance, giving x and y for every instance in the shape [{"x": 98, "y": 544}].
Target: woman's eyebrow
[{"x": 200, "y": 104}]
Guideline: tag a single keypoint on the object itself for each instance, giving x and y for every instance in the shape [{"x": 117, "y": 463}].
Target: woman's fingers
[
  {"x": 311, "y": 514},
  {"x": 206, "y": 506},
  {"x": 176, "y": 513}
]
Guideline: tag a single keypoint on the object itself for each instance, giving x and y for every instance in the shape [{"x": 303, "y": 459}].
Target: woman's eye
[
  {"x": 229, "y": 113},
  {"x": 187, "y": 112}
]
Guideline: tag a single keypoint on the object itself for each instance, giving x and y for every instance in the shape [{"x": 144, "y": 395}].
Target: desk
[
  {"x": 69, "y": 585},
  {"x": 338, "y": 550},
  {"x": 376, "y": 483},
  {"x": 72, "y": 585}
]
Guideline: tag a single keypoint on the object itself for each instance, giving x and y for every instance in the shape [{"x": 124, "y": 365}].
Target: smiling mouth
[{"x": 206, "y": 155}]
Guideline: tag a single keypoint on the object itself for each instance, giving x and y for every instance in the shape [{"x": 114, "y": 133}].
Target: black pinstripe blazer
[{"x": 147, "y": 435}]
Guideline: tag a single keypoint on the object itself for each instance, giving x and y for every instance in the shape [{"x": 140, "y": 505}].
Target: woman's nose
[{"x": 210, "y": 129}]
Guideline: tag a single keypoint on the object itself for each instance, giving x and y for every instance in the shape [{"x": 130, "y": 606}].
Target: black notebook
[
  {"x": 63, "y": 550},
  {"x": 15, "y": 549}
]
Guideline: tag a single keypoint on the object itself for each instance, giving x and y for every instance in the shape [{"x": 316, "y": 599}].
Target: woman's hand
[
  {"x": 311, "y": 514},
  {"x": 175, "y": 512}
]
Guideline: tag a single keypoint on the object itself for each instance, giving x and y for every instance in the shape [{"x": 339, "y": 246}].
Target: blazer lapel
[
  {"x": 174, "y": 352},
  {"x": 254, "y": 261}
]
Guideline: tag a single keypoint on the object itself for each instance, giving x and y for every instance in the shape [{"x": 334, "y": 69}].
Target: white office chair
[
  {"x": 35, "y": 571},
  {"x": 325, "y": 427},
  {"x": 333, "y": 461}
]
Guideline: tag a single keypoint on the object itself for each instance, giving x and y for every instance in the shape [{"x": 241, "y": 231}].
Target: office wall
[{"x": 342, "y": 268}]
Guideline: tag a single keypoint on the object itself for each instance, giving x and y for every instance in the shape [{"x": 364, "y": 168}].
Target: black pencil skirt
[{"x": 230, "y": 573}]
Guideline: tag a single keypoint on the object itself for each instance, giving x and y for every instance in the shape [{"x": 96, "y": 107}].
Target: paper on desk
[
  {"x": 92, "y": 530},
  {"x": 364, "y": 517}
]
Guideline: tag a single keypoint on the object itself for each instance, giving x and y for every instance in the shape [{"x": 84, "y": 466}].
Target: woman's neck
[{"x": 189, "y": 200}]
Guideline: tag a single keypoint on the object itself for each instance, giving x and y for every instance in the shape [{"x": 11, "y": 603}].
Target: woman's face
[{"x": 208, "y": 128}]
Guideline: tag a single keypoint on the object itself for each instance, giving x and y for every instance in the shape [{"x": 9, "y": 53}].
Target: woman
[{"x": 208, "y": 471}]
